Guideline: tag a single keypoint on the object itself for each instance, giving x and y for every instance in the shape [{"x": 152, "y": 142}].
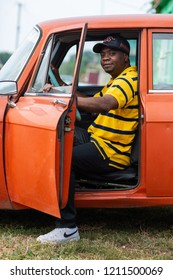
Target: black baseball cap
[{"x": 115, "y": 42}]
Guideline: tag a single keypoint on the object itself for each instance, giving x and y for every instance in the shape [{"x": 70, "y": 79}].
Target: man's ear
[{"x": 126, "y": 57}]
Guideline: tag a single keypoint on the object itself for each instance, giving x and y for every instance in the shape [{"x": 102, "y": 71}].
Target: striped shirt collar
[{"x": 128, "y": 69}]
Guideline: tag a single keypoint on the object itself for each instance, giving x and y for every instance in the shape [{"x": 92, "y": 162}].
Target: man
[{"x": 107, "y": 144}]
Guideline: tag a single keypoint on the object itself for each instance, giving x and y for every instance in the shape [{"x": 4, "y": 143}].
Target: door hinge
[
  {"x": 67, "y": 129},
  {"x": 11, "y": 104}
]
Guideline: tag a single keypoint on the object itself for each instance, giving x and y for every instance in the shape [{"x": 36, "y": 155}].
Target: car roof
[{"x": 112, "y": 21}]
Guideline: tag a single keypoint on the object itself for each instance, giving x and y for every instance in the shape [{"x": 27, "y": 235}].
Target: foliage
[
  {"x": 163, "y": 6},
  {"x": 67, "y": 67},
  {"x": 4, "y": 56}
]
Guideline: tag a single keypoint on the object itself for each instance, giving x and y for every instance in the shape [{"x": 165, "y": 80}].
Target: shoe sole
[{"x": 77, "y": 238}]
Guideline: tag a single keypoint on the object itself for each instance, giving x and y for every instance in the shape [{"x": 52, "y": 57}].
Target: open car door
[{"x": 36, "y": 137}]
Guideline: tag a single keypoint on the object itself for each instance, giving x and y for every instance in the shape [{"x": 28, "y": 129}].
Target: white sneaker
[{"x": 60, "y": 235}]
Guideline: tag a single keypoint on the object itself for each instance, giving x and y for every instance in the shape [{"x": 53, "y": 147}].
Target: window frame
[{"x": 150, "y": 57}]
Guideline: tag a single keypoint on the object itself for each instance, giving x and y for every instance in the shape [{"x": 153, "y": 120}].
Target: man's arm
[{"x": 97, "y": 104}]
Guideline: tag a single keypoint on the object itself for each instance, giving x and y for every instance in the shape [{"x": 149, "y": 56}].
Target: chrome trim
[
  {"x": 58, "y": 101},
  {"x": 160, "y": 91},
  {"x": 48, "y": 94}
]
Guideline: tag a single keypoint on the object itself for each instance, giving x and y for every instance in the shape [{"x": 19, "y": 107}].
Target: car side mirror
[{"x": 8, "y": 88}]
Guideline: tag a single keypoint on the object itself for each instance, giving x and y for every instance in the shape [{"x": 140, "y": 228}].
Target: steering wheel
[{"x": 55, "y": 83}]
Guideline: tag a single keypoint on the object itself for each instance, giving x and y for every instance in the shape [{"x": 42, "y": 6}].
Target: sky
[{"x": 17, "y": 17}]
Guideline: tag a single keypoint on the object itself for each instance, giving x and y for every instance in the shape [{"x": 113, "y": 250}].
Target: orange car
[{"x": 37, "y": 128}]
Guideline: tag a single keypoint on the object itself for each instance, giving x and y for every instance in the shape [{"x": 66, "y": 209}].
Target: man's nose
[{"x": 106, "y": 56}]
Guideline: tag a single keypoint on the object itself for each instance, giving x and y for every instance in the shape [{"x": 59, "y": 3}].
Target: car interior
[{"x": 63, "y": 43}]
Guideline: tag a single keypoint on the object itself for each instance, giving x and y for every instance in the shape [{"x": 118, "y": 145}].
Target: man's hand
[{"x": 47, "y": 88}]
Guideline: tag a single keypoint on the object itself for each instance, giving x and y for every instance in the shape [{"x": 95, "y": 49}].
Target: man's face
[{"x": 113, "y": 61}]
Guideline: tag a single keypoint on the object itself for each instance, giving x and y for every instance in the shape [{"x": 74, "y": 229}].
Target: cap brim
[{"x": 98, "y": 47}]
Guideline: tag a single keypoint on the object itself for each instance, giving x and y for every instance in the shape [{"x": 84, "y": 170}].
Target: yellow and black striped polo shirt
[{"x": 113, "y": 132}]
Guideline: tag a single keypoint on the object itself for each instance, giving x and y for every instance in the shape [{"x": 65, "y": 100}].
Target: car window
[
  {"x": 90, "y": 66},
  {"x": 60, "y": 52},
  {"x": 66, "y": 69},
  {"x": 162, "y": 61},
  {"x": 91, "y": 72},
  {"x": 42, "y": 72},
  {"x": 63, "y": 57},
  {"x": 14, "y": 66}
]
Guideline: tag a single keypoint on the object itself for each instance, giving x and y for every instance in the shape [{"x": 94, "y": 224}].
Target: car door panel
[{"x": 30, "y": 145}]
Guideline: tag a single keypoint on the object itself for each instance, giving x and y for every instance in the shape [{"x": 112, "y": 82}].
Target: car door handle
[{"x": 58, "y": 101}]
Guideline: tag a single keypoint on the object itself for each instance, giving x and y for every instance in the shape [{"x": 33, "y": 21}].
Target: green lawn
[{"x": 109, "y": 234}]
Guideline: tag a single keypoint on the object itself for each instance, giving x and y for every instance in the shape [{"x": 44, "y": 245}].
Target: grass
[{"x": 109, "y": 234}]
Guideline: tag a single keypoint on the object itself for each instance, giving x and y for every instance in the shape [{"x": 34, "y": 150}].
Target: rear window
[{"x": 163, "y": 61}]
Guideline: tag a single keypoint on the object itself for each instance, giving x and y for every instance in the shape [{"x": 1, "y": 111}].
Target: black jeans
[{"x": 85, "y": 159}]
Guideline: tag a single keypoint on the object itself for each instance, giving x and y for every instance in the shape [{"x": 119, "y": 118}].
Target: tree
[
  {"x": 4, "y": 56},
  {"x": 68, "y": 66}
]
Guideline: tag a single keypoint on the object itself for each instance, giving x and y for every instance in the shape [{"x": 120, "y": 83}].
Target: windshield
[{"x": 13, "y": 67}]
